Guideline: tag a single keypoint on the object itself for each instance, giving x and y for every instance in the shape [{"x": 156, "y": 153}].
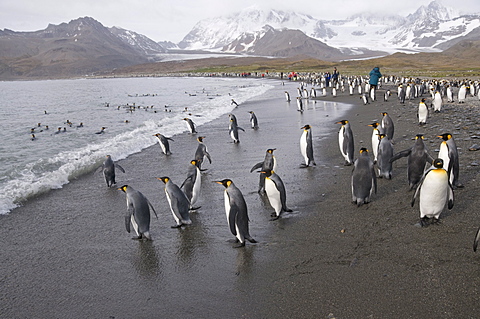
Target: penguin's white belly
[
  {"x": 273, "y": 195},
  {"x": 134, "y": 224},
  {"x": 375, "y": 142},
  {"x": 164, "y": 149},
  {"x": 443, "y": 154},
  {"x": 196, "y": 187},
  {"x": 422, "y": 113},
  {"x": 170, "y": 204},
  {"x": 227, "y": 206},
  {"x": 341, "y": 140},
  {"x": 433, "y": 194},
  {"x": 303, "y": 147}
]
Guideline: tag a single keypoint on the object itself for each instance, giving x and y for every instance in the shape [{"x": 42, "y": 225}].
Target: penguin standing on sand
[
  {"x": 462, "y": 93},
  {"x": 108, "y": 168},
  {"x": 178, "y": 201},
  {"x": 192, "y": 184},
  {"x": 306, "y": 146},
  {"x": 437, "y": 102},
  {"x": 375, "y": 141},
  {"x": 163, "y": 141},
  {"x": 276, "y": 193},
  {"x": 387, "y": 125},
  {"x": 233, "y": 131},
  {"x": 253, "y": 120},
  {"x": 201, "y": 152},
  {"x": 138, "y": 213},
  {"x": 449, "y": 94},
  {"x": 435, "y": 190},
  {"x": 345, "y": 141},
  {"x": 386, "y": 95},
  {"x": 190, "y": 125},
  {"x": 422, "y": 112},
  {"x": 364, "y": 180},
  {"x": 268, "y": 164},
  {"x": 401, "y": 94},
  {"x": 287, "y": 96},
  {"x": 385, "y": 154},
  {"x": 449, "y": 154},
  {"x": 364, "y": 98},
  {"x": 299, "y": 104},
  {"x": 417, "y": 159},
  {"x": 237, "y": 212}
]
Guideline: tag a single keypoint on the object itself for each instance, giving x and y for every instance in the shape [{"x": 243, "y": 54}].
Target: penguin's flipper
[
  {"x": 450, "y": 196},
  {"x": 429, "y": 158},
  {"x": 232, "y": 216},
  {"x": 151, "y": 206},
  {"x": 189, "y": 177},
  {"x": 239, "y": 128},
  {"x": 120, "y": 168},
  {"x": 169, "y": 138},
  {"x": 128, "y": 216},
  {"x": 208, "y": 156},
  {"x": 417, "y": 191},
  {"x": 256, "y": 166},
  {"x": 401, "y": 154},
  {"x": 476, "y": 240},
  {"x": 98, "y": 169}
]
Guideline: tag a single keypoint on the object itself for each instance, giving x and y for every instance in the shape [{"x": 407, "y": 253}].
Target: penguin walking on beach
[
  {"x": 287, "y": 96},
  {"x": 449, "y": 94},
  {"x": 437, "y": 102},
  {"x": 163, "y": 141},
  {"x": 373, "y": 94},
  {"x": 386, "y": 95},
  {"x": 276, "y": 193},
  {"x": 108, "y": 169},
  {"x": 192, "y": 184},
  {"x": 385, "y": 154},
  {"x": 387, "y": 125},
  {"x": 190, "y": 125},
  {"x": 299, "y": 104},
  {"x": 306, "y": 146},
  {"x": 462, "y": 93},
  {"x": 233, "y": 131},
  {"x": 268, "y": 164},
  {"x": 375, "y": 140},
  {"x": 313, "y": 92},
  {"x": 422, "y": 113},
  {"x": 138, "y": 213},
  {"x": 435, "y": 191},
  {"x": 364, "y": 98},
  {"x": 345, "y": 141},
  {"x": 417, "y": 159},
  {"x": 449, "y": 154},
  {"x": 237, "y": 212},
  {"x": 364, "y": 180},
  {"x": 201, "y": 153},
  {"x": 402, "y": 94},
  {"x": 253, "y": 120},
  {"x": 178, "y": 201}
]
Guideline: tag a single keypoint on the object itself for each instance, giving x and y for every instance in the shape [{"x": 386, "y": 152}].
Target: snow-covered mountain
[
  {"x": 428, "y": 27},
  {"x": 138, "y": 41}
]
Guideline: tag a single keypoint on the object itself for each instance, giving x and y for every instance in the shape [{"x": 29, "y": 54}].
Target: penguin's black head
[
  {"x": 164, "y": 179},
  {"x": 343, "y": 122},
  {"x": 267, "y": 172},
  {"x": 194, "y": 162},
  {"x": 270, "y": 150},
  {"x": 374, "y": 125},
  {"x": 445, "y": 136},
  {"x": 380, "y": 136},
  {"x": 123, "y": 188},
  {"x": 384, "y": 113},
  {"x": 306, "y": 127},
  {"x": 423, "y": 100},
  {"x": 363, "y": 150},
  {"x": 438, "y": 163},
  {"x": 200, "y": 138},
  {"x": 225, "y": 182}
]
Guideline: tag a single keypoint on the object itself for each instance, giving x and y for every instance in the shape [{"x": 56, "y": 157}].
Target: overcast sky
[{"x": 171, "y": 20}]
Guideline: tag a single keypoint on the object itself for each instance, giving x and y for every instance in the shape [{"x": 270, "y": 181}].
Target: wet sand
[{"x": 66, "y": 254}]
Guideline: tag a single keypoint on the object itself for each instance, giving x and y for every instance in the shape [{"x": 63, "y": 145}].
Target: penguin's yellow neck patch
[{"x": 229, "y": 183}]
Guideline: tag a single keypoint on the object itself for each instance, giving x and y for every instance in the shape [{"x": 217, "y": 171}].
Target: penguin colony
[{"x": 433, "y": 178}]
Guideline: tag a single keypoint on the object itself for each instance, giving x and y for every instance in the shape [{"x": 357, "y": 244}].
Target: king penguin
[
  {"x": 375, "y": 141},
  {"x": 422, "y": 112},
  {"x": 178, "y": 201},
  {"x": 108, "y": 168},
  {"x": 299, "y": 104},
  {"x": 190, "y": 125},
  {"x": 253, "y": 120},
  {"x": 269, "y": 163},
  {"x": 237, "y": 212},
  {"x": 201, "y": 152},
  {"x": 417, "y": 159},
  {"x": 462, "y": 93},
  {"x": 437, "y": 102},
  {"x": 192, "y": 184},
  {"x": 449, "y": 154},
  {"x": 435, "y": 190},
  {"x": 306, "y": 146},
  {"x": 276, "y": 193},
  {"x": 287, "y": 96},
  {"x": 387, "y": 125},
  {"x": 138, "y": 212},
  {"x": 163, "y": 141},
  {"x": 385, "y": 154},
  {"x": 364, "y": 180},
  {"x": 345, "y": 141}
]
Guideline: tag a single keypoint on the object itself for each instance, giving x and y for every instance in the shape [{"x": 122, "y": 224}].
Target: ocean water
[{"x": 30, "y": 167}]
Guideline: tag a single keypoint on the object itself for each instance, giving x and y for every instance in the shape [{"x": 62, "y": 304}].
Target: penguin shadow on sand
[
  {"x": 244, "y": 260},
  {"x": 146, "y": 261}
]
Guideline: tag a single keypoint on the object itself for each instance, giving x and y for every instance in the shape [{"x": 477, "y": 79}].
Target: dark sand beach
[{"x": 66, "y": 254}]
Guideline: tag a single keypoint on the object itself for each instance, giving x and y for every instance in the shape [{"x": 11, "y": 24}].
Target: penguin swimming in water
[
  {"x": 202, "y": 152},
  {"x": 387, "y": 125},
  {"x": 306, "y": 146},
  {"x": 422, "y": 112},
  {"x": 435, "y": 190},
  {"x": 163, "y": 141},
  {"x": 253, "y": 120},
  {"x": 102, "y": 130},
  {"x": 449, "y": 154},
  {"x": 345, "y": 141},
  {"x": 385, "y": 154},
  {"x": 269, "y": 163},
  {"x": 138, "y": 212},
  {"x": 190, "y": 125},
  {"x": 192, "y": 184},
  {"x": 108, "y": 168},
  {"x": 417, "y": 160},
  {"x": 276, "y": 193},
  {"x": 364, "y": 180},
  {"x": 375, "y": 141},
  {"x": 178, "y": 201},
  {"x": 237, "y": 212}
]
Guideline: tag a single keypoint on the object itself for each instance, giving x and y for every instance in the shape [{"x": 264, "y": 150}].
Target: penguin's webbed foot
[
  {"x": 194, "y": 209},
  {"x": 239, "y": 245},
  {"x": 176, "y": 226},
  {"x": 459, "y": 185},
  {"x": 137, "y": 237},
  {"x": 274, "y": 217},
  {"x": 250, "y": 239},
  {"x": 303, "y": 165}
]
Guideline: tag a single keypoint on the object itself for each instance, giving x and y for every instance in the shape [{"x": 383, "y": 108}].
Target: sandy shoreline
[{"x": 67, "y": 254}]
